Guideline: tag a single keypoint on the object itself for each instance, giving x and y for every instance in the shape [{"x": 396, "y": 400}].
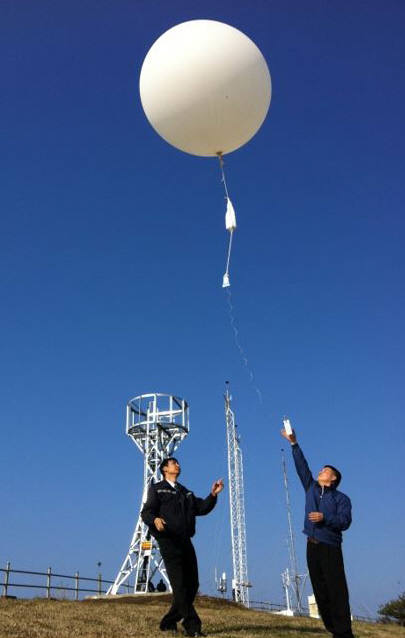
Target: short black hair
[
  {"x": 166, "y": 462},
  {"x": 337, "y": 474}
]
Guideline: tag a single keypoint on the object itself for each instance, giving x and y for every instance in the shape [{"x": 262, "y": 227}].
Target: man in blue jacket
[{"x": 327, "y": 515}]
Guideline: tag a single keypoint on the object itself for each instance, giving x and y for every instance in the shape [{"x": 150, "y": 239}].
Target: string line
[{"x": 239, "y": 346}]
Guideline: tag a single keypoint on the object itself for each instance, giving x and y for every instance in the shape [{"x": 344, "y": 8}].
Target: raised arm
[
  {"x": 204, "y": 506},
  {"x": 302, "y": 468},
  {"x": 300, "y": 461}
]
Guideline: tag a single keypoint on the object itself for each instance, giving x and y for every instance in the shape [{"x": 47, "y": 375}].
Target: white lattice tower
[
  {"x": 157, "y": 423},
  {"x": 240, "y": 582}
]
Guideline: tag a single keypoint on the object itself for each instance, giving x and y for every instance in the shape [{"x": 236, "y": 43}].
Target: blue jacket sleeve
[
  {"x": 301, "y": 466},
  {"x": 342, "y": 519}
]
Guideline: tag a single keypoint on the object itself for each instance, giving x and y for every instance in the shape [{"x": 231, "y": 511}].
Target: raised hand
[
  {"x": 290, "y": 437},
  {"x": 217, "y": 487}
]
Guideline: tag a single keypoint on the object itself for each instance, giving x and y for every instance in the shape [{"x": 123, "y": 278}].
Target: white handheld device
[{"x": 287, "y": 426}]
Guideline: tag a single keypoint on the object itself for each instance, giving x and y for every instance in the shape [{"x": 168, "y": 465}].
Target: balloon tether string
[
  {"x": 234, "y": 327},
  {"x": 223, "y": 180},
  {"x": 229, "y": 251},
  {"x": 238, "y": 344}
]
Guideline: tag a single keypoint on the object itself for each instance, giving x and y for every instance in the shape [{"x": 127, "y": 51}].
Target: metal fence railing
[
  {"x": 273, "y": 607},
  {"x": 261, "y": 605},
  {"x": 49, "y": 586}
]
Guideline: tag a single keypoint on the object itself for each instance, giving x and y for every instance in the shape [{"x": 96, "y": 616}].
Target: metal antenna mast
[
  {"x": 157, "y": 423},
  {"x": 292, "y": 580},
  {"x": 240, "y": 583}
]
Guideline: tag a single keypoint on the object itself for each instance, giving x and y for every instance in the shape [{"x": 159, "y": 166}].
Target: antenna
[
  {"x": 292, "y": 580},
  {"x": 157, "y": 424},
  {"x": 240, "y": 583},
  {"x": 220, "y": 583}
]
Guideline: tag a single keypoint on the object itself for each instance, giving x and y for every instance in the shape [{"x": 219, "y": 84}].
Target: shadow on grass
[{"x": 268, "y": 629}]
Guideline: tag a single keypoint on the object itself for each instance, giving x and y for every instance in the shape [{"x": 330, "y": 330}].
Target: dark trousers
[
  {"x": 181, "y": 567},
  {"x": 327, "y": 573}
]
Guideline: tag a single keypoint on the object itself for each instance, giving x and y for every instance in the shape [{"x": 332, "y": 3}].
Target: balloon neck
[{"x": 221, "y": 158}]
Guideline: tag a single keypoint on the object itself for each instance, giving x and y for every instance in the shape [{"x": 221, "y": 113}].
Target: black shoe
[
  {"x": 169, "y": 628},
  {"x": 194, "y": 633}
]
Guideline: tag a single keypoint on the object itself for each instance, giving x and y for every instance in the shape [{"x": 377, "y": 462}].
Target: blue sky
[{"x": 112, "y": 254}]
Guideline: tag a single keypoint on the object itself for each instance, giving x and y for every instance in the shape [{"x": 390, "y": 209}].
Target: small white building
[{"x": 313, "y": 607}]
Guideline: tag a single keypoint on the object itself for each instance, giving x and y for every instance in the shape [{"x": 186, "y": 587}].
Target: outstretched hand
[
  {"x": 217, "y": 487},
  {"x": 290, "y": 437}
]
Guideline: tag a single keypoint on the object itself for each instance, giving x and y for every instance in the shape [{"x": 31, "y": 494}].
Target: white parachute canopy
[
  {"x": 205, "y": 87},
  {"x": 230, "y": 217},
  {"x": 230, "y": 224}
]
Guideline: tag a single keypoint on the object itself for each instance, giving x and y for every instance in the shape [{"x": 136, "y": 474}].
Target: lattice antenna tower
[
  {"x": 240, "y": 582},
  {"x": 293, "y": 582},
  {"x": 156, "y": 423}
]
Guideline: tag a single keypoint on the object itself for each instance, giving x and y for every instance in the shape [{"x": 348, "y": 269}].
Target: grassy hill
[{"x": 133, "y": 617}]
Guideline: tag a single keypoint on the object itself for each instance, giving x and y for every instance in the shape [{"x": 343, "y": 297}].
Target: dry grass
[{"x": 133, "y": 617}]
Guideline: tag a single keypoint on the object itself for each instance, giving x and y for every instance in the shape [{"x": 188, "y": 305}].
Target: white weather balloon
[{"x": 205, "y": 87}]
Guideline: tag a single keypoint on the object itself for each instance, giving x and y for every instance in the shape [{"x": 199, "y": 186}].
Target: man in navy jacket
[
  {"x": 170, "y": 511},
  {"x": 327, "y": 515}
]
